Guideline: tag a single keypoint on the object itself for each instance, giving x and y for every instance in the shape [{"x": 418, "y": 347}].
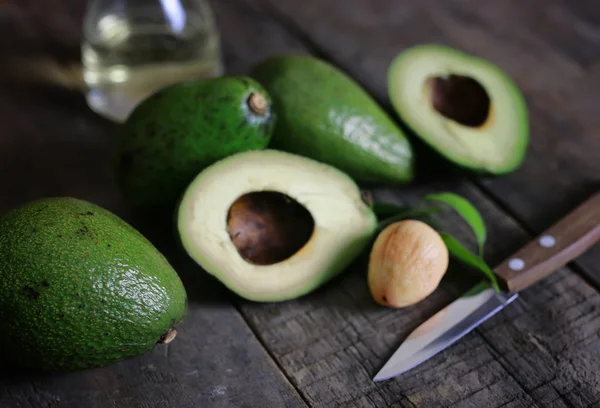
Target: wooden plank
[
  {"x": 549, "y": 47},
  {"x": 332, "y": 342},
  {"x": 51, "y": 144},
  {"x": 537, "y": 352}
]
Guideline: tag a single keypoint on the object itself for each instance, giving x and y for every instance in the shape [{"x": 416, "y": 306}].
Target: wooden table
[{"x": 323, "y": 349}]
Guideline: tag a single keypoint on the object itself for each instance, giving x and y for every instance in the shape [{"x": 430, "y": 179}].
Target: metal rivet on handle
[
  {"x": 516, "y": 264},
  {"x": 547, "y": 241}
]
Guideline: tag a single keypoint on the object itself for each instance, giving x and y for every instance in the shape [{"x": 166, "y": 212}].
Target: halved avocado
[
  {"x": 464, "y": 107},
  {"x": 272, "y": 225}
]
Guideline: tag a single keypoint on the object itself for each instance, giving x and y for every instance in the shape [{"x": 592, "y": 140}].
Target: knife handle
[{"x": 562, "y": 242}]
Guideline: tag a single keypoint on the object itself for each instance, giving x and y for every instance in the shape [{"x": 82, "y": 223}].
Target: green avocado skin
[
  {"x": 325, "y": 115},
  {"x": 180, "y": 130},
  {"x": 81, "y": 288}
]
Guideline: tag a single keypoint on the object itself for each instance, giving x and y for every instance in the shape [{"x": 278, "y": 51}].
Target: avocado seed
[
  {"x": 459, "y": 98},
  {"x": 406, "y": 264},
  {"x": 268, "y": 227}
]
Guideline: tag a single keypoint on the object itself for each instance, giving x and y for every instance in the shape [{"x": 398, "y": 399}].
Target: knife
[{"x": 562, "y": 242}]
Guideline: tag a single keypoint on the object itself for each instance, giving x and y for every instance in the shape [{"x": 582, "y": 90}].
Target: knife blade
[
  {"x": 558, "y": 245},
  {"x": 445, "y": 327}
]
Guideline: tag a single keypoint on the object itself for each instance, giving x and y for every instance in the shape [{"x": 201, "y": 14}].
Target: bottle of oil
[{"x": 131, "y": 48}]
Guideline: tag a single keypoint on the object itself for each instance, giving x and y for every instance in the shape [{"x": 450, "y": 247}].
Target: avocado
[
  {"x": 81, "y": 288},
  {"x": 464, "y": 107},
  {"x": 325, "y": 115},
  {"x": 181, "y": 129},
  {"x": 272, "y": 225}
]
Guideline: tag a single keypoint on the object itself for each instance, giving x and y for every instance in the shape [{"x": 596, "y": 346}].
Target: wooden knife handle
[{"x": 558, "y": 245}]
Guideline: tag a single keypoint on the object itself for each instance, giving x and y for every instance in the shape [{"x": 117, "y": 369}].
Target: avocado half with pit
[
  {"x": 273, "y": 226},
  {"x": 464, "y": 107}
]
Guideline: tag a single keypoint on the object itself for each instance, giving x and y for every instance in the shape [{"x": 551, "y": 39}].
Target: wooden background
[{"x": 322, "y": 350}]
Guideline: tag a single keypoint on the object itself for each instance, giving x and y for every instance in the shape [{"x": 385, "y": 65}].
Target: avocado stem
[
  {"x": 168, "y": 337},
  {"x": 257, "y": 103}
]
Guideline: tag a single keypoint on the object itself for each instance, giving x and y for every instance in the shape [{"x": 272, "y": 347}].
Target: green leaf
[
  {"x": 464, "y": 255},
  {"x": 384, "y": 210},
  {"x": 467, "y": 211}
]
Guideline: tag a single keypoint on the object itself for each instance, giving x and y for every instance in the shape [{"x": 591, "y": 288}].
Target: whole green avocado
[
  {"x": 181, "y": 129},
  {"x": 81, "y": 288},
  {"x": 325, "y": 115}
]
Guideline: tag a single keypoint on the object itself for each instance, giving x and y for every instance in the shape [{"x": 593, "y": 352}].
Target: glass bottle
[{"x": 131, "y": 48}]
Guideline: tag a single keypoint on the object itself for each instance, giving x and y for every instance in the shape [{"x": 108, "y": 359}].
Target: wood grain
[
  {"x": 52, "y": 144},
  {"x": 332, "y": 342}
]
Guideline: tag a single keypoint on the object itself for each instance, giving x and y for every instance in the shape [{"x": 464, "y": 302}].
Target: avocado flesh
[
  {"x": 340, "y": 225},
  {"x": 181, "y": 129},
  {"x": 80, "y": 288},
  {"x": 493, "y": 140},
  {"x": 325, "y": 115}
]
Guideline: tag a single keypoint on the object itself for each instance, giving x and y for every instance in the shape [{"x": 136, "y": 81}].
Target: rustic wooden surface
[{"x": 323, "y": 349}]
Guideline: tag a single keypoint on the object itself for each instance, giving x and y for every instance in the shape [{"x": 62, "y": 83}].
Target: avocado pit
[
  {"x": 459, "y": 98},
  {"x": 268, "y": 227}
]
